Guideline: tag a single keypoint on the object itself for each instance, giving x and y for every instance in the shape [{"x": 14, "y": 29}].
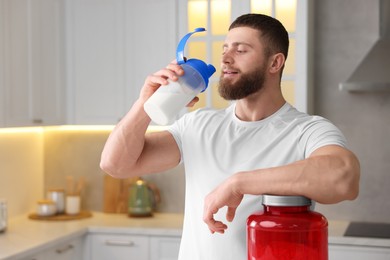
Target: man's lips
[{"x": 229, "y": 72}]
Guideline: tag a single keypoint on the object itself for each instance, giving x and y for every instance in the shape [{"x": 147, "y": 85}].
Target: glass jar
[
  {"x": 286, "y": 228},
  {"x": 46, "y": 208}
]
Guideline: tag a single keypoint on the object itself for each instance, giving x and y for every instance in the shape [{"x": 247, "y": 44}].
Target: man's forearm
[
  {"x": 125, "y": 143},
  {"x": 325, "y": 178}
]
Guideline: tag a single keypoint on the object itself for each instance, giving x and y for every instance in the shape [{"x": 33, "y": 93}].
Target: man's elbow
[
  {"x": 112, "y": 169},
  {"x": 349, "y": 189}
]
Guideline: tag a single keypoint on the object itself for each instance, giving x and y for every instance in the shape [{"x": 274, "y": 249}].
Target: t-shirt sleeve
[
  {"x": 176, "y": 130},
  {"x": 320, "y": 132}
]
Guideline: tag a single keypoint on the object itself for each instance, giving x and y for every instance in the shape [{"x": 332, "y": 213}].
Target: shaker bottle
[
  {"x": 286, "y": 228},
  {"x": 163, "y": 106}
]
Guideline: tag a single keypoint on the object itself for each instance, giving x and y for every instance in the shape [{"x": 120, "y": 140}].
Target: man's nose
[{"x": 227, "y": 58}]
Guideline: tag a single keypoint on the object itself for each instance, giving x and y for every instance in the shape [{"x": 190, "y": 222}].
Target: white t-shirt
[{"x": 216, "y": 144}]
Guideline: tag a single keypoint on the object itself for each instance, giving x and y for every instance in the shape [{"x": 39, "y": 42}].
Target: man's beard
[{"x": 246, "y": 85}]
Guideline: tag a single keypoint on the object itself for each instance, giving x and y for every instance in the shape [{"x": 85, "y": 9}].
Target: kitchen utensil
[
  {"x": 286, "y": 228},
  {"x": 70, "y": 185},
  {"x": 3, "y": 215},
  {"x": 73, "y": 204},
  {"x": 80, "y": 186},
  {"x": 143, "y": 198},
  {"x": 58, "y": 196},
  {"x": 116, "y": 194}
]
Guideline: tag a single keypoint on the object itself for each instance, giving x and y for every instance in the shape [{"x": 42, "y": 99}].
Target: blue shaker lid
[{"x": 205, "y": 70}]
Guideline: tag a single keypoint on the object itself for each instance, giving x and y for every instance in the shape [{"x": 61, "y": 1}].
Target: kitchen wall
[
  {"x": 344, "y": 32},
  {"x": 33, "y": 160},
  {"x": 75, "y": 152},
  {"x": 21, "y": 168}
]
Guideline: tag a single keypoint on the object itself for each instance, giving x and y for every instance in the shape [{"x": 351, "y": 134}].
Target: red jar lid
[{"x": 275, "y": 200}]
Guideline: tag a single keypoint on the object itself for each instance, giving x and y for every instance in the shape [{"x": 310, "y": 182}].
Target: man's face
[{"x": 243, "y": 64}]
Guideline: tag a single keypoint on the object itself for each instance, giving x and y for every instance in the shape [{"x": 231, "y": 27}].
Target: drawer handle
[
  {"x": 63, "y": 250},
  {"x": 37, "y": 121},
  {"x": 119, "y": 243}
]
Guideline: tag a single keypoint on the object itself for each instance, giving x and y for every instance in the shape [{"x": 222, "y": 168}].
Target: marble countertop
[{"x": 25, "y": 236}]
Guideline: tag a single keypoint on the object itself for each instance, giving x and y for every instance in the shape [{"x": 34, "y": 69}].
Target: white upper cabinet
[
  {"x": 85, "y": 61},
  {"x": 112, "y": 45},
  {"x": 2, "y": 68},
  {"x": 31, "y": 63},
  {"x": 95, "y": 60},
  {"x": 80, "y": 61}
]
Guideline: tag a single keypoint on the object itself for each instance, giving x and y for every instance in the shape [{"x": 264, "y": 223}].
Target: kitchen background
[{"x": 35, "y": 159}]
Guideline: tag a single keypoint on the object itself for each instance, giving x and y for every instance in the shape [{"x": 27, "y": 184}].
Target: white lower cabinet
[
  {"x": 69, "y": 250},
  {"x": 342, "y": 252},
  {"x": 126, "y": 246},
  {"x": 164, "y": 248},
  {"x": 118, "y": 247}
]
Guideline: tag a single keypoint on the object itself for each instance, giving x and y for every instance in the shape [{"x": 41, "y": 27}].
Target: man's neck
[{"x": 259, "y": 106}]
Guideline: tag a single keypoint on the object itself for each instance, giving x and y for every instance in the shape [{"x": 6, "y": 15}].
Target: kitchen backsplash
[
  {"x": 77, "y": 153},
  {"x": 37, "y": 159},
  {"x": 21, "y": 168}
]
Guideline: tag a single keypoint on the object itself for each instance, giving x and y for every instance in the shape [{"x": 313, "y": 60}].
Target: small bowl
[{"x": 46, "y": 208}]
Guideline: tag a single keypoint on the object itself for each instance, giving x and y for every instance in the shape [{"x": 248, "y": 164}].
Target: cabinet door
[
  {"x": 47, "y": 96},
  {"x": 151, "y": 41},
  {"x": 118, "y": 247},
  {"x": 112, "y": 45},
  {"x": 31, "y": 63},
  {"x": 70, "y": 250},
  {"x": 164, "y": 248},
  {"x": 342, "y": 252},
  {"x": 16, "y": 61},
  {"x": 2, "y": 63},
  {"x": 95, "y": 60}
]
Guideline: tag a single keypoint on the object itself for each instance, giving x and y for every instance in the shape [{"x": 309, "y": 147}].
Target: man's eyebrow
[{"x": 235, "y": 44}]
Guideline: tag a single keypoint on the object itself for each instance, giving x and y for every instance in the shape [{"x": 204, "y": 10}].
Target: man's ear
[{"x": 277, "y": 62}]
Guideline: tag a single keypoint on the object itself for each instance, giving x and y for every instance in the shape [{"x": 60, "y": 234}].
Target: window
[{"x": 216, "y": 16}]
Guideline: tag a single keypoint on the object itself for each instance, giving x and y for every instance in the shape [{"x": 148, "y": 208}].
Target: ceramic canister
[{"x": 58, "y": 196}]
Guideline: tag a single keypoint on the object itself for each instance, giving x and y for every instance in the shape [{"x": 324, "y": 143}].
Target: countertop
[{"x": 25, "y": 236}]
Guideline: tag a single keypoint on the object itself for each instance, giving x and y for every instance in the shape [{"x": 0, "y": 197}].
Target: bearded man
[{"x": 259, "y": 145}]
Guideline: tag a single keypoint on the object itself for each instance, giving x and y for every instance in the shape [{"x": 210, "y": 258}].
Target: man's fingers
[
  {"x": 176, "y": 68},
  {"x": 231, "y": 212},
  {"x": 213, "y": 225},
  {"x": 218, "y": 227}
]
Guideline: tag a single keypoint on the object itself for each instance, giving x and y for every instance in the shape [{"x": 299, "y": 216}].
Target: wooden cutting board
[
  {"x": 116, "y": 194},
  {"x": 60, "y": 217}
]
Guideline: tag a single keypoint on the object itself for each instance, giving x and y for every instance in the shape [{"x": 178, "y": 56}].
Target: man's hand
[
  {"x": 160, "y": 78},
  {"x": 172, "y": 72},
  {"x": 226, "y": 194}
]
